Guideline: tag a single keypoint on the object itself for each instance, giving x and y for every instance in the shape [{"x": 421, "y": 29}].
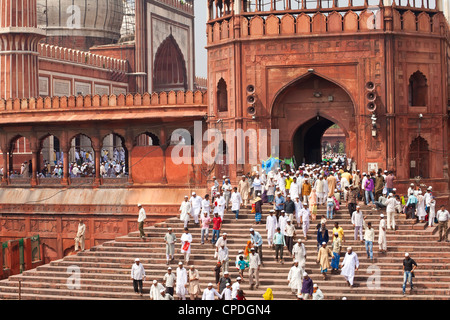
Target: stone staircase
[{"x": 105, "y": 269}]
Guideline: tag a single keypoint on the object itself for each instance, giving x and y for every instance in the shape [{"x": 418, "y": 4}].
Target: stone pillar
[
  {"x": 140, "y": 60},
  {"x": 164, "y": 145},
  {"x": 5, "y": 167},
  {"x": 129, "y": 146},
  {"x": 97, "y": 154},
  {"x": 34, "y": 165}
]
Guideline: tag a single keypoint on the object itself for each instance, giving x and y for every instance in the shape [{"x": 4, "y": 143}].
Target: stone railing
[
  {"x": 261, "y": 25},
  {"x": 82, "y": 57},
  {"x": 180, "y": 5},
  {"x": 112, "y": 101}
]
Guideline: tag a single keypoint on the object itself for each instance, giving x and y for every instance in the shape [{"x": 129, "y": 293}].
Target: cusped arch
[
  {"x": 169, "y": 66},
  {"x": 154, "y": 139},
  {"x": 278, "y": 95}
]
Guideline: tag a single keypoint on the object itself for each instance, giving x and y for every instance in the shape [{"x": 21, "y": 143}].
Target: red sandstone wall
[{"x": 147, "y": 164}]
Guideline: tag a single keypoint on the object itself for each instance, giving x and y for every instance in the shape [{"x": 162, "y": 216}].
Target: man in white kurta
[
  {"x": 243, "y": 189},
  {"x": 236, "y": 201},
  {"x": 391, "y": 203},
  {"x": 155, "y": 290},
  {"x": 349, "y": 266},
  {"x": 305, "y": 214},
  {"x": 185, "y": 211},
  {"x": 206, "y": 205},
  {"x": 210, "y": 292},
  {"x": 282, "y": 221},
  {"x": 319, "y": 189},
  {"x": 181, "y": 282},
  {"x": 196, "y": 206},
  {"x": 295, "y": 278},
  {"x": 186, "y": 237},
  {"x": 299, "y": 253},
  {"x": 294, "y": 190},
  {"x": 79, "y": 239},
  {"x": 271, "y": 227},
  {"x": 221, "y": 205},
  {"x": 382, "y": 234}
]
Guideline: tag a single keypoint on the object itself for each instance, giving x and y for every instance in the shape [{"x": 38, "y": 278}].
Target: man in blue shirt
[
  {"x": 257, "y": 243},
  {"x": 280, "y": 243},
  {"x": 279, "y": 204}
]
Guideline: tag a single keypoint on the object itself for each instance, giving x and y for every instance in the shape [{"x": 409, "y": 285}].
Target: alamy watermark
[{"x": 229, "y": 147}]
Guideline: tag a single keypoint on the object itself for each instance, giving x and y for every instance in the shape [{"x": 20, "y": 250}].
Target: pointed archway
[
  {"x": 169, "y": 71},
  {"x": 304, "y": 109}
]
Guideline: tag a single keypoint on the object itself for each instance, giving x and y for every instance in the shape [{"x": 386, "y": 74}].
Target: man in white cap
[
  {"x": 323, "y": 258},
  {"x": 295, "y": 278},
  {"x": 186, "y": 241},
  {"x": 317, "y": 293},
  {"x": 210, "y": 292},
  {"x": 181, "y": 282},
  {"x": 137, "y": 275},
  {"x": 307, "y": 287},
  {"x": 409, "y": 265},
  {"x": 357, "y": 222},
  {"x": 253, "y": 270},
  {"x": 271, "y": 227},
  {"x": 305, "y": 217},
  {"x": 243, "y": 189},
  {"x": 235, "y": 287},
  {"x": 443, "y": 216},
  {"x": 222, "y": 241},
  {"x": 79, "y": 239},
  {"x": 227, "y": 188},
  {"x": 194, "y": 284},
  {"x": 391, "y": 203},
  {"x": 141, "y": 220},
  {"x": 349, "y": 266},
  {"x": 299, "y": 253},
  {"x": 289, "y": 233},
  {"x": 223, "y": 257},
  {"x": 226, "y": 293},
  {"x": 236, "y": 201},
  {"x": 206, "y": 205},
  {"x": 196, "y": 206},
  {"x": 282, "y": 221},
  {"x": 165, "y": 295},
  {"x": 169, "y": 281},
  {"x": 382, "y": 244},
  {"x": 170, "y": 240},
  {"x": 185, "y": 211},
  {"x": 155, "y": 290}
]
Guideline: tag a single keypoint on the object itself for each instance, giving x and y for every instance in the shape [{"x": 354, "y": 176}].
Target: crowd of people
[
  {"x": 292, "y": 198},
  {"x": 111, "y": 165}
]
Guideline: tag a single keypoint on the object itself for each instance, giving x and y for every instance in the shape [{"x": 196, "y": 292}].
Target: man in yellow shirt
[
  {"x": 289, "y": 180},
  {"x": 339, "y": 231}
]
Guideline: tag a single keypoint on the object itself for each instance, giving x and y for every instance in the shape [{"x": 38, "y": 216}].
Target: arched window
[
  {"x": 169, "y": 68},
  {"x": 222, "y": 96},
  {"x": 419, "y": 158},
  {"x": 418, "y": 90}
]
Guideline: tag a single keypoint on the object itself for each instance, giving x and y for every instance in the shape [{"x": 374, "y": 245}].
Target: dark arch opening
[
  {"x": 419, "y": 158},
  {"x": 307, "y": 140},
  {"x": 169, "y": 67},
  {"x": 147, "y": 139},
  {"x": 418, "y": 90},
  {"x": 222, "y": 96}
]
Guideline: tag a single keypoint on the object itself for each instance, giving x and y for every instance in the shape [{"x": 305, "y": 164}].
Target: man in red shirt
[
  {"x": 390, "y": 182},
  {"x": 217, "y": 224}
]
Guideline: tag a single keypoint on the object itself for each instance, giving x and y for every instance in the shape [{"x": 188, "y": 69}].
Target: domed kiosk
[{"x": 80, "y": 24}]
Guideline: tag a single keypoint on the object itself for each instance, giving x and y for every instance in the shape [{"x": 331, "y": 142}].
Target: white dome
[{"x": 81, "y": 18}]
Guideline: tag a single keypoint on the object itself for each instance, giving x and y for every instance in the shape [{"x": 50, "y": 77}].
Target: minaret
[{"x": 19, "y": 49}]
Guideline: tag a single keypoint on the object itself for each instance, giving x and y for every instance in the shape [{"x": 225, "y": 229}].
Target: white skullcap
[
  {"x": 224, "y": 177},
  {"x": 305, "y": 274},
  {"x": 238, "y": 278},
  {"x": 382, "y": 215},
  {"x": 193, "y": 193},
  {"x": 406, "y": 254},
  {"x": 225, "y": 234},
  {"x": 228, "y": 284},
  {"x": 169, "y": 228},
  {"x": 226, "y": 272},
  {"x": 210, "y": 284},
  {"x": 315, "y": 285},
  {"x": 139, "y": 205},
  {"x": 324, "y": 242},
  {"x": 180, "y": 263},
  {"x": 344, "y": 298},
  {"x": 412, "y": 184},
  {"x": 251, "y": 229},
  {"x": 186, "y": 196},
  {"x": 169, "y": 268},
  {"x": 155, "y": 281},
  {"x": 137, "y": 259},
  {"x": 299, "y": 240},
  {"x": 391, "y": 194},
  {"x": 349, "y": 248}
]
